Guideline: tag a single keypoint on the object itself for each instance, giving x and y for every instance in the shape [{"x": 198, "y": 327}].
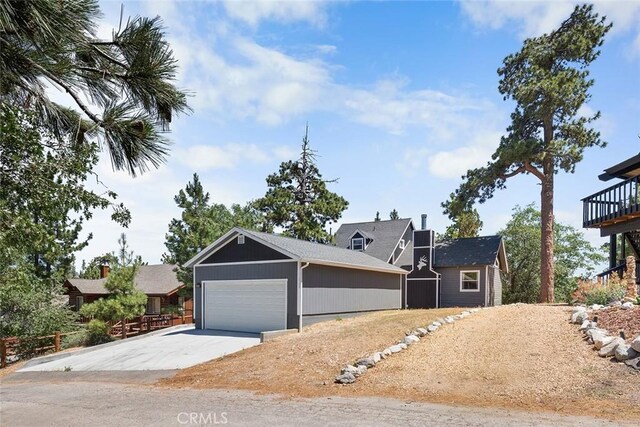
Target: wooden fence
[{"x": 11, "y": 346}]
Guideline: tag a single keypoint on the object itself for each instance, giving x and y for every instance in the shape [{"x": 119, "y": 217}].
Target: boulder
[
  {"x": 465, "y": 313},
  {"x": 377, "y": 357},
  {"x": 410, "y": 339},
  {"x": 635, "y": 344},
  {"x": 396, "y": 348},
  {"x": 610, "y": 349},
  {"x": 386, "y": 352},
  {"x": 440, "y": 320},
  {"x": 403, "y": 345},
  {"x": 627, "y": 305},
  {"x": 421, "y": 332},
  {"x": 585, "y": 325},
  {"x": 350, "y": 369},
  {"x": 449, "y": 319},
  {"x": 601, "y": 341},
  {"x": 596, "y": 334},
  {"x": 432, "y": 328},
  {"x": 436, "y": 323},
  {"x": 578, "y": 308},
  {"x": 366, "y": 361},
  {"x": 457, "y": 317},
  {"x": 615, "y": 304},
  {"x": 596, "y": 307},
  {"x": 625, "y": 352},
  {"x": 633, "y": 363},
  {"x": 579, "y": 317},
  {"x": 346, "y": 378}
]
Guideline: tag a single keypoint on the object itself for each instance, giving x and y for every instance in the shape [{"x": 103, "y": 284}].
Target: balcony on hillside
[{"x": 616, "y": 204}]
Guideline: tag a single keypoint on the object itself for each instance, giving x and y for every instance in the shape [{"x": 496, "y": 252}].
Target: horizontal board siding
[
  {"x": 283, "y": 270},
  {"x": 328, "y": 289},
  {"x": 450, "y": 295},
  {"x": 497, "y": 285}
]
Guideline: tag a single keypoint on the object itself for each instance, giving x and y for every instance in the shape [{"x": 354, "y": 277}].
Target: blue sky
[{"x": 401, "y": 99}]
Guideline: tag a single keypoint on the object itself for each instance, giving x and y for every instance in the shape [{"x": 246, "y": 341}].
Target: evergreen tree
[
  {"x": 298, "y": 200},
  {"x": 129, "y": 77},
  {"x": 549, "y": 81},
  {"x": 465, "y": 224},
  {"x": 200, "y": 224},
  {"x": 394, "y": 214},
  {"x": 377, "y": 218}
]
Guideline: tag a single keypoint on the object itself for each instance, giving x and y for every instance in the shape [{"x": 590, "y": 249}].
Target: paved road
[
  {"x": 103, "y": 399},
  {"x": 162, "y": 351}
]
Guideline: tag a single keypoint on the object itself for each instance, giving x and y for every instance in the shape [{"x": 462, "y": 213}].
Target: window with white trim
[
  {"x": 241, "y": 239},
  {"x": 153, "y": 305},
  {"x": 357, "y": 244},
  {"x": 401, "y": 244},
  {"x": 470, "y": 281}
]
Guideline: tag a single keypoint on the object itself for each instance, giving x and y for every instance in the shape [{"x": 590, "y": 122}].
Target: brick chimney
[{"x": 104, "y": 269}]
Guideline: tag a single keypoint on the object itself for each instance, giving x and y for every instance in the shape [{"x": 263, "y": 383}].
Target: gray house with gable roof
[{"x": 252, "y": 281}]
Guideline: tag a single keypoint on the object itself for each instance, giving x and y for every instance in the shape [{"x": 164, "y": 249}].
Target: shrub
[
  {"x": 98, "y": 332},
  {"x": 79, "y": 339},
  {"x": 597, "y": 292}
]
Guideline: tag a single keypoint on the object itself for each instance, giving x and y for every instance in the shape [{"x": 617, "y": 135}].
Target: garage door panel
[{"x": 245, "y": 305}]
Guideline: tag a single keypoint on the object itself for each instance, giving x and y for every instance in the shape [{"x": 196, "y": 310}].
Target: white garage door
[{"x": 245, "y": 305}]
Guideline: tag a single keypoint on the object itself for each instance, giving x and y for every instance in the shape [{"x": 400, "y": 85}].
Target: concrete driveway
[{"x": 162, "y": 351}]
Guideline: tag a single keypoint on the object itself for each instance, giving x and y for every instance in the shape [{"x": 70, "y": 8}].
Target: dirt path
[{"x": 517, "y": 356}]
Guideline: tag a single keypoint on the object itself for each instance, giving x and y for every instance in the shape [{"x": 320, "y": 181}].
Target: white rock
[
  {"x": 601, "y": 341},
  {"x": 449, "y": 319},
  {"x": 386, "y": 352},
  {"x": 596, "y": 307},
  {"x": 615, "y": 304},
  {"x": 627, "y": 306},
  {"x": 403, "y": 345},
  {"x": 579, "y": 317},
  {"x": 474, "y": 310},
  {"x": 436, "y": 323},
  {"x": 635, "y": 344},
  {"x": 397, "y": 348},
  {"x": 610, "y": 349},
  {"x": 410, "y": 339},
  {"x": 377, "y": 357},
  {"x": 432, "y": 328},
  {"x": 421, "y": 332},
  {"x": 585, "y": 325},
  {"x": 457, "y": 317},
  {"x": 366, "y": 361},
  {"x": 356, "y": 371},
  {"x": 578, "y": 308},
  {"x": 625, "y": 352},
  {"x": 346, "y": 378}
]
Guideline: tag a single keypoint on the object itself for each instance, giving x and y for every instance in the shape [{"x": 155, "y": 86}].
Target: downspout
[{"x": 300, "y": 291}]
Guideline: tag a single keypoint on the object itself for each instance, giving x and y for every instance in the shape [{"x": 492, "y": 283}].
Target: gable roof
[
  {"x": 470, "y": 251},
  {"x": 385, "y": 235},
  {"x": 301, "y": 250},
  {"x": 151, "y": 279}
]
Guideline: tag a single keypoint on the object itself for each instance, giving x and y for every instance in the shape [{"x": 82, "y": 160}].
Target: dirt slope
[{"x": 517, "y": 356}]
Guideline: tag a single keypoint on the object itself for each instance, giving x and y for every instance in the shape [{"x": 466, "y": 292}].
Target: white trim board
[
  {"x": 469, "y": 271},
  {"x": 268, "y": 261}
]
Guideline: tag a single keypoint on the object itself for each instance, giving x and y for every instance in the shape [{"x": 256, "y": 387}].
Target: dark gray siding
[
  {"x": 328, "y": 289},
  {"x": 408, "y": 235},
  {"x": 279, "y": 270},
  {"x": 250, "y": 250},
  {"x": 450, "y": 295}
]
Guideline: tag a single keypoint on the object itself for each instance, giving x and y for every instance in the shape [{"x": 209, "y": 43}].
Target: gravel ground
[
  {"x": 616, "y": 319},
  {"x": 517, "y": 356}
]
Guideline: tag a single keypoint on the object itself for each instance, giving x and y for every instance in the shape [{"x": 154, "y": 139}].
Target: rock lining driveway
[{"x": 162, "y": 351}]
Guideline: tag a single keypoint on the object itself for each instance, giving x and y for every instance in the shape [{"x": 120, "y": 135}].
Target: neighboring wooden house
[
  {"x": 615, "y": 211},
  {"x": 158, "y": 282},
  {"x": 456, "y": 273}
]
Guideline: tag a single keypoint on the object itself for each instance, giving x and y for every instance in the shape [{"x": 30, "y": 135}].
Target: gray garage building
[{"x": 253, "y": 281}]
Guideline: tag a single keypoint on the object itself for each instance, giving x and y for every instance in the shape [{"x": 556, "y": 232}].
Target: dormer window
[
  {"x": 357, "y": 244},
  {"x": 401, "y": 244}
]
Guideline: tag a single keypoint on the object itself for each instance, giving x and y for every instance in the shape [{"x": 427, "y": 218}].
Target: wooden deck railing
[{"x": 613, "y": 203}]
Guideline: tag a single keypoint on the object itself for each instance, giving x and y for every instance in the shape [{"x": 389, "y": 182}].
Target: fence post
[
  {"x": 57, "y": 342},
  {"x": 148, "y": 324},
  {"x": 3, "y": 353}
]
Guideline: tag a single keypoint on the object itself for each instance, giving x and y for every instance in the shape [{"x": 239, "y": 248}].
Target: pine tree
[
  {"x": 377, "y": 218},
  {"x": 129, "y": 77},
  {"x": 549, "y": 81},
  {"x": 298, "y": 199},
  {"x": 394, "y": 214}
]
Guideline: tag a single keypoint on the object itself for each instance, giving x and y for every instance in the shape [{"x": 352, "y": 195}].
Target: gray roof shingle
[
  {"x": 310, "y": 251},
  {"x": 467, "y": 251},
  {"x": 150, "y": 279},
  {"x": 385, "y": 235}
]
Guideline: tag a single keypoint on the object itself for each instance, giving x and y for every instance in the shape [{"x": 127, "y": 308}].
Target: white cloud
[
  {"x": 210, "y": 157},
  {"x": 533, "y": 18},
  {"x": 253, "y": 12}
]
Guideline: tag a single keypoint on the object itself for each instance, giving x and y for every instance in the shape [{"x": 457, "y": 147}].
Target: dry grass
[
  {"x": 518, "y": 356},
  {"x": 301, "y": 364}
]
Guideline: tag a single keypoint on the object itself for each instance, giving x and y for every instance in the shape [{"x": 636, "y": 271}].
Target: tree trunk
[
  {"x": 546, "y": 247},
  {"x": 124, "y": 329}
]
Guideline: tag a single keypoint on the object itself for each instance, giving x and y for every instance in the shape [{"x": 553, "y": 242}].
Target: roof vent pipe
[{"x": 423, "y": 225}]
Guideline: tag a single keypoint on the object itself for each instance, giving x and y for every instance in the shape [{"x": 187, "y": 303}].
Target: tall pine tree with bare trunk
[{"x": 549, "y": 81}]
